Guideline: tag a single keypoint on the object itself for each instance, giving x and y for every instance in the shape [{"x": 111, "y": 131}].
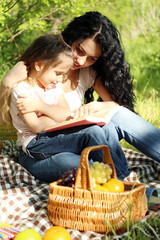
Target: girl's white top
[{"x": 49, "y": 96}]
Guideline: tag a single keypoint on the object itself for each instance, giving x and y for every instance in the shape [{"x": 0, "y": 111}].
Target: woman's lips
[{"x": 76, "y": 64}]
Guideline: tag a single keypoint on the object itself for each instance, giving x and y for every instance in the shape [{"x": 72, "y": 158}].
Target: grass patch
[
  {"x": 144, "y": 230},
  {"x": 7, "y": 133},
  {"x": 147, "y": 106}
]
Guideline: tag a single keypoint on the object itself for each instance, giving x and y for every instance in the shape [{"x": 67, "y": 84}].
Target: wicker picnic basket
[{"x": 85, "y": 209}]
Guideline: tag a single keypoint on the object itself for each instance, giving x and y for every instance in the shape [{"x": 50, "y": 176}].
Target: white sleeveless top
[
  {"x": 86, "y": 80},
  {"x": 75, "y": 98}
]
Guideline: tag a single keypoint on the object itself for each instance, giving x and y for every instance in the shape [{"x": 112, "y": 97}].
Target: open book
[{"x": 86, "y": 120}]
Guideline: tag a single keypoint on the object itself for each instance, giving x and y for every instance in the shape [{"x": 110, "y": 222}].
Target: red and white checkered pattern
[{"x": 23, "y": 199}]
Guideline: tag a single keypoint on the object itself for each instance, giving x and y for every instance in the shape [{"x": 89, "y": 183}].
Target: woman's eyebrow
[{"x": 85, "y": 51}]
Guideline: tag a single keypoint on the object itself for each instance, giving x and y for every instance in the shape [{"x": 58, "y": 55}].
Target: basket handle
[{"x": 83, "y": 178}]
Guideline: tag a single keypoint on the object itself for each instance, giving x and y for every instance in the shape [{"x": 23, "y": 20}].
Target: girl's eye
[{"x": 58, "y": 74}]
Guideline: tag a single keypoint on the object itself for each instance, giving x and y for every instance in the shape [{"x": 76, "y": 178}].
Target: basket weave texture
[{"x": 85, "y": 209}]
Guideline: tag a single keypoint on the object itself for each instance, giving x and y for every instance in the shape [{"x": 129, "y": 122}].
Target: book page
[{"x": 86, "y": 120}]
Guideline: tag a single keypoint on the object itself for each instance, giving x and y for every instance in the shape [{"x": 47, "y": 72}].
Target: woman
[
  {"x": 113, "y": 82},
  {"x": 99, "y": 59}
]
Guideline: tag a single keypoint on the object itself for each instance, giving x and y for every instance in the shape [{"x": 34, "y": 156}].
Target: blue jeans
[
  {"x": 49, "y": 154},
  {"x": 50, "y": 169},
  {"x": 136, "y": 131}
]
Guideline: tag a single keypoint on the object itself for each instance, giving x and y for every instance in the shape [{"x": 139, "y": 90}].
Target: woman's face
[{"x": 85, "y": 53}]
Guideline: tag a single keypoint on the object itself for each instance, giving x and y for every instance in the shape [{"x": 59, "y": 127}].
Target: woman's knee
[{"x": 95, "y": 131}]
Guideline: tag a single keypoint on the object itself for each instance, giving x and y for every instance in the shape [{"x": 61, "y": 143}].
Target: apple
[{"x": 28, "y": 234}]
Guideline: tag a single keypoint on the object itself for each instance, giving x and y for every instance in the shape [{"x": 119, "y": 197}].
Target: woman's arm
[
  {"x": 101, "y": 91},
  {"x": 97, "y": 108},
  {"x": 16, "y": 74},
  {"x": 104, "y": 94},
  {"x": 3, "y": 91}
]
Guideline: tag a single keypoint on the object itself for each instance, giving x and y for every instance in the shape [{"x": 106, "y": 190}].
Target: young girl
[{"x": 48, "y": 60}]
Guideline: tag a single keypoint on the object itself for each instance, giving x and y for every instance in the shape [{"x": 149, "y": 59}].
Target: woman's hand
[
  {"x": 105, "y": 107},
  {"x": 95, "y": 108},
  {"x": 14, "y": 75},
  {"x": 85, "y": 110},
  {"x": 27, "y": 104}
]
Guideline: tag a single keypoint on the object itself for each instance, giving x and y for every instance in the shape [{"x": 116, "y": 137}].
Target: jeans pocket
[{"x": 36, "y": 155}]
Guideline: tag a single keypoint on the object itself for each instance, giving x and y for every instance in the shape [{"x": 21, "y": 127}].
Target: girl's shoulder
[
  {"x": 21, "y": 85},
  {"x": 21, "y": 88}
]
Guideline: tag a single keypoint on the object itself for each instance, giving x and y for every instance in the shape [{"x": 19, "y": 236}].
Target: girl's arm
[
  {"x": 37, "y": 124},
  {"x": 62, "y": 112},
  {"x": 59, "y": 113}
]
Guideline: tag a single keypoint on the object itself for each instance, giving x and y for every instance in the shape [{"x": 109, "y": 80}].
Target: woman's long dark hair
[{"x": 111, "y": 67}]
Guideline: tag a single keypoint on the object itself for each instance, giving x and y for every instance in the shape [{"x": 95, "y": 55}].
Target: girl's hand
[
  {"x": 27, "y": 104},
  {"x": 14, "y": 75}
]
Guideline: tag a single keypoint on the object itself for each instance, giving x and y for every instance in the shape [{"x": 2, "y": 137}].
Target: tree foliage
[
  {"x": 21, "y": 21},
  {"x": 138, "y": 21},
  {"x": 139, "y": 24}
]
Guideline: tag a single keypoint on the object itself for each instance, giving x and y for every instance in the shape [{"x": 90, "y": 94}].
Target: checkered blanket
[{"x": 23, "y": 199}]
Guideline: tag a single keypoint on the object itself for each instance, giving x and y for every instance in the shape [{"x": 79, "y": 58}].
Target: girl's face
[
  {"x": 48, "y": 78},
  {"x": 85, "y": 53}
]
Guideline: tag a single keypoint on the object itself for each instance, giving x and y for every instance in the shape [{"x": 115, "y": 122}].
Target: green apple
[{"x": 28, "y": 234}]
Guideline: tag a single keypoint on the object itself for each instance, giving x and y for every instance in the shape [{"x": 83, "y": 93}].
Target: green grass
[
  {"x": 145, "y": 230},
  {"x": 144, "y": 58},
  {"x": 148, "y": 107},
  {"x": 7, "y": 133}
]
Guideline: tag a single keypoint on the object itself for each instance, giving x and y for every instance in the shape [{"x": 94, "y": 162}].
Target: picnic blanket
[{"x": 23, "y": 199}]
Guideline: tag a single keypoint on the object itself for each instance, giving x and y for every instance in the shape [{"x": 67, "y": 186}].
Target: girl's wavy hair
[
  {"x": 111, "y": 67},
  {"x": 46, "y": 48}
]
